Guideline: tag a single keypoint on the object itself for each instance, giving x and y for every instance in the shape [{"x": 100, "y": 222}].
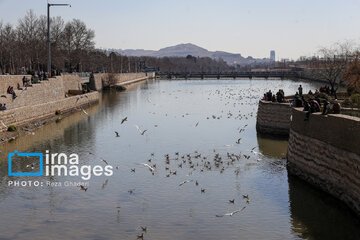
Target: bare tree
[
  {"x": 352, "y": 74},
  {"x": 77, "y": 40},
  {"x": 333, "y": 63}
]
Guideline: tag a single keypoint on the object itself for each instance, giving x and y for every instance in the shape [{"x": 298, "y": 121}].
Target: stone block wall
[
  {"x": 71, "y": 81},
  {"x": 273, "y": 118},
  {"x": 325, "y": 152},
  {"x": 11, "y": 80},
  {"x": 45, "y": 91},
  {"x": 21, "y": 115},
  {"x": 101, "y": 80}
]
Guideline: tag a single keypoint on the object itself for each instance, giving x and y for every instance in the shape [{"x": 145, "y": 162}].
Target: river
[{"x": 200, "y": 131}]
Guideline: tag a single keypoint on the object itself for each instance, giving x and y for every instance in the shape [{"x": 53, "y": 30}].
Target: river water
[{"x": 193, "y": 127}]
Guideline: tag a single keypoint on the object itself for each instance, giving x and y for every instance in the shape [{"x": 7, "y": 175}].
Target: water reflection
[
  {"x": 271, "y": 146},
  {"x": 316, "y": 215}
]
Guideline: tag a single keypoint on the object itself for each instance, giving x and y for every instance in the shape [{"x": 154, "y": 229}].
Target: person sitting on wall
[
  {"x": 269, "y": 95},
  {"x": 310, "y": 92},
  {"x": 326, "y": 108},
  {"x": 336, "y": 108},
  {"x": 273, "y": 99},
  {"x": 24, "y": 80},
  {"x": 298, "y": 102},
  {"x": 306, "y": 105},
  {"x": 279, "y": 96},
  {"x": 314, "y": 107},
  {"x": 12, "y": 92},
  {"x": 316, "y": 92},
  {"x": 282, "y": 95}
]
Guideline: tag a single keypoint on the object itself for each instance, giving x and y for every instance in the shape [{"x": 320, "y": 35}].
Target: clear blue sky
[{"x": 292, "y": 28}]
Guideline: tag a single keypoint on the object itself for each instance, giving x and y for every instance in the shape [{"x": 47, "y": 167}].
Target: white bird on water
[
  {"x": 149, "y": 167},
  {"x": 231, "y": 213}
]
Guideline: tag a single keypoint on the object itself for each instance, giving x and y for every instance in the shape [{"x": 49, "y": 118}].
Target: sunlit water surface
[{"x": 194, "y": 117}]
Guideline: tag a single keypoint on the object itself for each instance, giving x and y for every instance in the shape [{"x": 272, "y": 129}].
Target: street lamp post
[{"x": 48, "y": 33}]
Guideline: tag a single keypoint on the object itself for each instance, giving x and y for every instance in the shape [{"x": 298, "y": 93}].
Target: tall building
[{"x": 272, "y": 55}]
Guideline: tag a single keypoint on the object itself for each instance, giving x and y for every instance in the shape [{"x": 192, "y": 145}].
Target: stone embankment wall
[
  {"x": 325, "y": 152},
  {"x": 41, "y": 99},
  {"x": 102, "y": 80},
  {"x": 50, "y": 90},
  {"x": 21, "y": 115},
  {"x": 11, "y": 80},
  {"x": 42, "y": 92},
  {"x": 273, "y": 118},
  {"x": 72, "y": 82}
]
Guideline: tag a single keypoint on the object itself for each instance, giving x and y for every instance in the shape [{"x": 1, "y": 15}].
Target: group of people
[
  {"x": 326, "y": 89},
  {"x": 311, "y": 105},
  {"x": 314, "y": 105},
  {"x": 278, "y": 97},
  {"x": 41, "y": 75}
]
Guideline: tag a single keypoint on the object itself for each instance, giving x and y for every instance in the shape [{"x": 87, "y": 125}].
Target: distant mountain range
[{"x": 182, "y": 50}]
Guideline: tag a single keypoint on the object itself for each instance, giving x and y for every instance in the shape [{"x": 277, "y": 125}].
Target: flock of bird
[
  {"x": 214, "y": 160},
  {"x": 195, "y": 162}
]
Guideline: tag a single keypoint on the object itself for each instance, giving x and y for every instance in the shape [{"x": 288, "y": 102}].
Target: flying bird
[
  {"x": 104, "y": 161},
  {"x": 83, "y": 188},
  {"x": 2, "y": 123},
  {"x": 186, "y": 181},
  {"x": 197, "y": 124},
  {"x": 123, "y": 120},
  {"x": 117, "y": 134},
  {"x": 140, "y": 131},
  {"x": 84, "y": 111}
]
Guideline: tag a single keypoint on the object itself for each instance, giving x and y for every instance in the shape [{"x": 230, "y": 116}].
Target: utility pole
[{"x": 48, "y": 32}]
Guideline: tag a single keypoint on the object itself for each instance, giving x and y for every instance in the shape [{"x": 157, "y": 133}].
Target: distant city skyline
[{"x": 251, "y": 28}]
